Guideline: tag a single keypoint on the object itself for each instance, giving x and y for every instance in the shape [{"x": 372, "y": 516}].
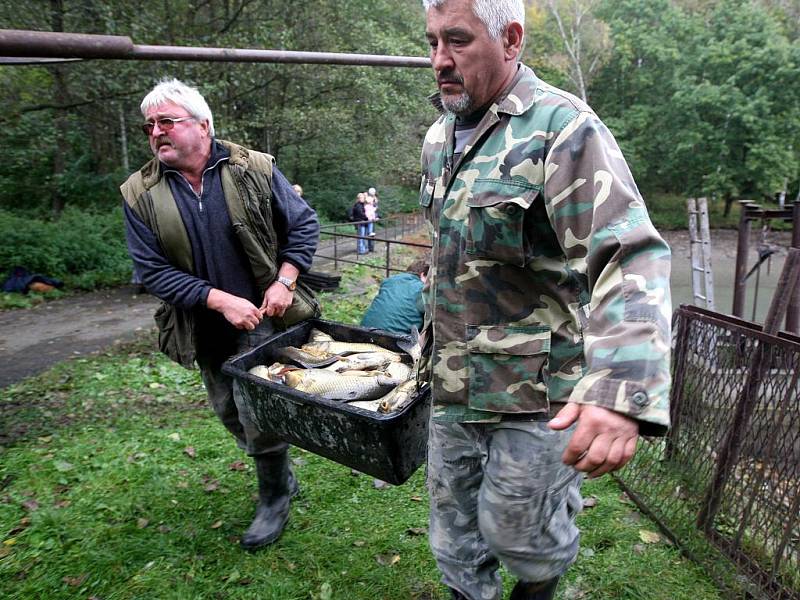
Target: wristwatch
[{"x": 289, "y": 283}]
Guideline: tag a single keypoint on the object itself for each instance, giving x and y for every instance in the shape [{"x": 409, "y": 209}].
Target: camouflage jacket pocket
[
  {"x": 507, "y": 366},
  {"x": 426, "y": 197},
  {"x": 497, "y": 210}
]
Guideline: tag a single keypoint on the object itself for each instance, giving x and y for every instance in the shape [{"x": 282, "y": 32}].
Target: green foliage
[
  {"x": 333, "y": 129},
  {"x": 700, "y": 100},
  {"x": 85, "y": 250}
]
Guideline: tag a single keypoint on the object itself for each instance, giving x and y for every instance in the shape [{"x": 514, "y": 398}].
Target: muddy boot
[
  {"x": 529, "y": 590},
  {"x": 276, "y": 488}
]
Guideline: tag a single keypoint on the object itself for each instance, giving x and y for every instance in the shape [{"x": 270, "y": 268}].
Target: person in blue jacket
[{"x": 398, "y": 307}]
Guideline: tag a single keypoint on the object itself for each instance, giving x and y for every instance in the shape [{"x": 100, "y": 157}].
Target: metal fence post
[
  {"x": 335, "y": 248},
  {"x": 793, "y": 312},
  {"x": 759, "y": 364},
  {"x": 681, "y": 325},
  {"x": 739, "y": 281}
]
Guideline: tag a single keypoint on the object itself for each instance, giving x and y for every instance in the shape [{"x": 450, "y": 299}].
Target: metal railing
[
  {"x": 726, "y": 479},
  {"x": 338, "y": 246}
]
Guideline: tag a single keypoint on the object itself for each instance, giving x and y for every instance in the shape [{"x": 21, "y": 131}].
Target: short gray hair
[
  {"x": 177, "y": 92},
  {"x": 494, "y": 14}
]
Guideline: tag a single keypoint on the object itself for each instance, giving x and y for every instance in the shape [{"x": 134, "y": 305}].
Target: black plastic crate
[{"x": 387, "y": 446}]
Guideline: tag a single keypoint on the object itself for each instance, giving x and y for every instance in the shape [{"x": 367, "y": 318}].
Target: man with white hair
[
  {"x": 217, "y": 233},
  {"x": 548, "y": 326}
]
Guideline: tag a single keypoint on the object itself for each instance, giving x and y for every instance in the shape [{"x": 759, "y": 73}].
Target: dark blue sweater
[{"x": 219, "y": 259}]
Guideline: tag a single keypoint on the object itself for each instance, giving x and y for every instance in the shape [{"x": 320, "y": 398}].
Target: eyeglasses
[{"x": 164, "y": 124}]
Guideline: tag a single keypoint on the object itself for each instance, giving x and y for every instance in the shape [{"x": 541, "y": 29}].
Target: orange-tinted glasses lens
[{"x": 164, "y": 124}]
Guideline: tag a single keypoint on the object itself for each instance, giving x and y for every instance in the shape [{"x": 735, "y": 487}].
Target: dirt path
[{"x": 32, "y": 340}]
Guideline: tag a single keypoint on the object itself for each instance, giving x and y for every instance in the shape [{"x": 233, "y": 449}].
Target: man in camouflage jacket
[{"x": 549, "y": 310}]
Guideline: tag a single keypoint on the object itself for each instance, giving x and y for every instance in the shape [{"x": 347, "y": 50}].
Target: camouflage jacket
[{"x": 550, "y": 284}]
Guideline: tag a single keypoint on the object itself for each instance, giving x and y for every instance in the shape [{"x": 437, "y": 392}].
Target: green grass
[{"x": 117, "y": 482}]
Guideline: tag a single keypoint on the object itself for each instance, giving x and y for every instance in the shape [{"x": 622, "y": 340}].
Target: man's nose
[{"x": 441, "y": 58}]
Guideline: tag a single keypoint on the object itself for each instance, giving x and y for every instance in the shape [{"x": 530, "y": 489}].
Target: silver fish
[
  {"x": 315, "y": 335},
  {"x": 333, "y": 386},
  {"x": 344, "y": 348},
  {"x": 275, "y": 372},
  {"x": 398, "y": 397},
  {"x": 364, "y": 361},
  {"x": 309, "y": 358}
]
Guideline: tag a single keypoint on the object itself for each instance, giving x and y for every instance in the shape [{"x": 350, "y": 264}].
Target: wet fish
[
  {"x": 333, "y": 386},
  {"x": 308, "y": 358},
  {"x": 275, "y": 372},
  {"x": 365, "y": 361},
  {"x": 398, "y": 370},
  {"x": 344, "y": 348},
  {"x": 398, "y": 397},
  {"x": 315, "y": 335}
]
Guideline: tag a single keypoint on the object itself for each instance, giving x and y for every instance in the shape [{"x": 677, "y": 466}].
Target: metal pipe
[{"x": 50, "y": 44}]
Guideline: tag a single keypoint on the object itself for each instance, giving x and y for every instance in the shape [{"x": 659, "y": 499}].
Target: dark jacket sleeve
[
  {"x": 157, "y": 275},
  {"x": 295, "y": 222}
]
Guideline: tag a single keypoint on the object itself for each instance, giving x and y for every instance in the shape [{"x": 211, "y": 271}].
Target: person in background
[
  {"x": 398, "y": 307},
  {"x": 224, "y": 289},
  {"x": 549, "y": 339},
  {"x": 360, "y": 222},
  {"x": 371, "y": 212}
]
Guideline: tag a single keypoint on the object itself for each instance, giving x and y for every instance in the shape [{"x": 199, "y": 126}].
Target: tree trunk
[{"x": 61, "y": 99}]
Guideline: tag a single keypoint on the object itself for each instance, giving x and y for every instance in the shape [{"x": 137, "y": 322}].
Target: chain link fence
[{"x": 725, "y": 482}]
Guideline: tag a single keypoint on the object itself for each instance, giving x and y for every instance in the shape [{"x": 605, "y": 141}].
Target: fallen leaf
[
  {"x": 379, "y": 484},
  {"x": 141, "y": 523},
  {"x": 638, "y": 548},
  {"x": 298, "y": 462},
  {"x": 211, "y": 485},
  {"x": 190, "y": 451},
  {"x": 155, "y": 385},
  {"x": 183, "y": 484},
  {"x": 62, "y": 504},
  {"x": 587, "y": 552},
  {"x": 175, "y": 437},
  {"x": 416, "y": 498},
  {"x": 649, "y": 537},
  {"x": 216, "y": 524},
  {"x": 388, "y": 559},
  {"x": 590, "y": 502},
  {"x": 164, "y": 529},
  {"x": 325, "y": 591},
  {"x": 291, "y": 566},
  {"x": 63, "y": 466},
  {"x": 5, "y": 551},
  {"x": 75, "y": 581},
  {"x": 417, "y": 530},
  {"x": 359, "y": 543},
  {"x": 237, "y": 466},
  {"x": 10, "y": 542},
  {"x": 45, "y": 439},
  {"x": 625, "y": 499},
  {"x": 30, "y": 504}
]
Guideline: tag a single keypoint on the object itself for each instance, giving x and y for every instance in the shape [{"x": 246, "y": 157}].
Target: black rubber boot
[
  {"x": 458, "y": 595},
  {"x": 531, "y": 590},
  {"x": 276, "y": 488}
]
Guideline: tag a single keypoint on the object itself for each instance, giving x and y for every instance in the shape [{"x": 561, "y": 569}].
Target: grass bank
[{"x": 117, "y": 482}]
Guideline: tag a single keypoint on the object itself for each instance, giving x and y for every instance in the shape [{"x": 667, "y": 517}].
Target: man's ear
[{"x": 512, "y": 40}]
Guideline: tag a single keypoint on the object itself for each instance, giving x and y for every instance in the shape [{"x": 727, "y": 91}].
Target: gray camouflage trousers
[
  {"x": 499, "y": 493},
  {"x": 224, "y": 396}
]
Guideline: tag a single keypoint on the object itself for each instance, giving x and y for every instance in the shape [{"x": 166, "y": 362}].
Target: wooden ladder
[{"x": 700, "y": 252}]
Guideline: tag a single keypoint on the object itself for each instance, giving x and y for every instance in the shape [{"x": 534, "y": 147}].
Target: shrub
[{"x": 84, "y": 249}]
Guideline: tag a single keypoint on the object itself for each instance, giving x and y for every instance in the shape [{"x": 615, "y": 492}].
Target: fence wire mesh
[{"x": 725, "y": 482}]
